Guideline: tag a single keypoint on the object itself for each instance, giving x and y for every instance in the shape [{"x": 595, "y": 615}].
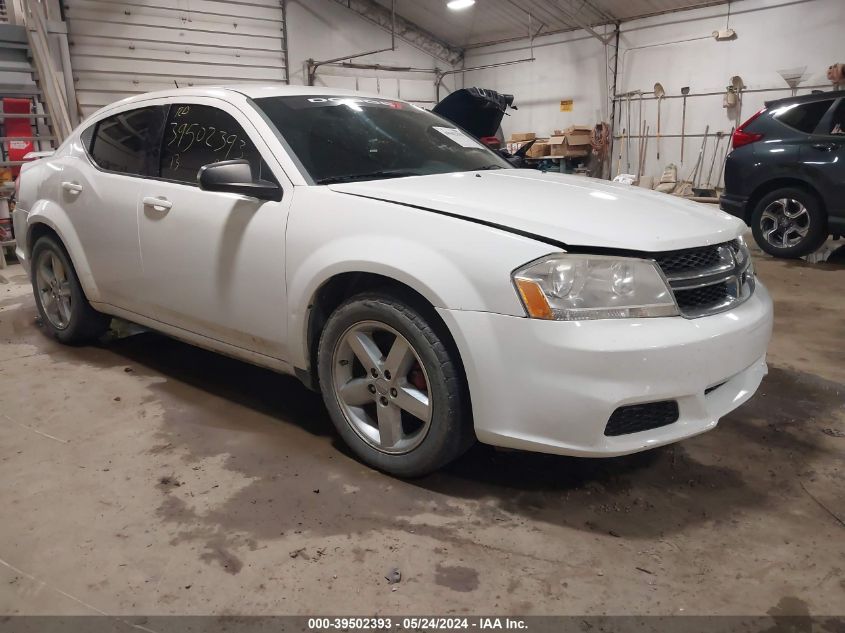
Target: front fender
[
  {"x": 52, "y": 215},
  {"x": 454, "y": 264}
]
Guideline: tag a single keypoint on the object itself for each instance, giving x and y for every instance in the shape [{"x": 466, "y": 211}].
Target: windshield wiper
[
  {"x": 373, "y": 175},
  {"x": 486, "y": 167}
]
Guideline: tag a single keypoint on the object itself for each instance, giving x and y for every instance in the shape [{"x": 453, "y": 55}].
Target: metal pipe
[
  {"x": 618, "y": 136},
  {"x": 621, "y": 97},
  {"x": 612, "y": 91},
  {"x": 460, "y": 71},
  {"x": 355, "y": 56},
  {"x": 285, "y": 40},
  {"x": 519, "y": 38},
  {"x": 386, "y": 68}
]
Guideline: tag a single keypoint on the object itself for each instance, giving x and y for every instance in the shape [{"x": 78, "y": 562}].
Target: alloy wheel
[
  {"x": 53, "y": 289},
  {"x": 382, "y": 387},
  {"x": 785, "y": 222}
]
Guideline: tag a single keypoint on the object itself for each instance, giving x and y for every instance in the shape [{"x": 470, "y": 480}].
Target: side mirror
[{"x": 235, "y": 176}]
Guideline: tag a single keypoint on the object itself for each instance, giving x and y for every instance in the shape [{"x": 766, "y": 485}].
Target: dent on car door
[
  {"x": 99, "y": 188},
  {"x": 213, "y": 262}
]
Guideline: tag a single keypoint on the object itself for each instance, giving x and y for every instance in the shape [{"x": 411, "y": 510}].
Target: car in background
[
  {"x": 434, "y": 294},
  {"x": 786, "y": 174}
]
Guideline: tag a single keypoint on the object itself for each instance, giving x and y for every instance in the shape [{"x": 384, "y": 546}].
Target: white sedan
[{"x": 431, "y": 292}]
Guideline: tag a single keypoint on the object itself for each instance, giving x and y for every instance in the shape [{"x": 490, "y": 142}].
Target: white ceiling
[{"x": 493, "y": 20}]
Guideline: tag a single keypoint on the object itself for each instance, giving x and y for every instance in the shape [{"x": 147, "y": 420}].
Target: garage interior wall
[
  {"x": 772, "y": 36},
  {"x": 124, "y": 47},
  {"x": 325, "y": 29}
]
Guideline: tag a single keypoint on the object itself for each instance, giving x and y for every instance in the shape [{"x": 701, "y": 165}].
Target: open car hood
[
  {"x": 572, "y": 210},
  {"x": 477, "y": 110}
]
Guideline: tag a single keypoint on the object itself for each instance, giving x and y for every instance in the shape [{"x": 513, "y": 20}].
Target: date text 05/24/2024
[{"x": 416, "y": 623}]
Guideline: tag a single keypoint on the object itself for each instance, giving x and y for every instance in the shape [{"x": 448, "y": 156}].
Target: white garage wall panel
[{"x": 121, "y": 48}]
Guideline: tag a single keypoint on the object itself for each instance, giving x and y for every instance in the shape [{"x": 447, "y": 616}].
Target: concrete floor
[{"x": 144, "y": 476}]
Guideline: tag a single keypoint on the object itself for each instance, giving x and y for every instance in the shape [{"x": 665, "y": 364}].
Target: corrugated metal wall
[{"x": 120, "y": 48}]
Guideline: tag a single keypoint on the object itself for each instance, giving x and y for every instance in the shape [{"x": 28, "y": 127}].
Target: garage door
[{"x": 121, "y": 48}]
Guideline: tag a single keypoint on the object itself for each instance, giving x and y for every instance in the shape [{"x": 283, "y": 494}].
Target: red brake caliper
[{"x": 417, "y": 378}]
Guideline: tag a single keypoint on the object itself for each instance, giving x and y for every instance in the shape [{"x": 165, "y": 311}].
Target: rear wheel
[
  {"x": 789, "y": 222},
  {"x": 392, "y": 386},
  {"x": 64, "y": 310}
]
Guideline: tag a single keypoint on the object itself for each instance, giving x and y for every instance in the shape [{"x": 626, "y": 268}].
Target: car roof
[
  {"x": 810, "y": 98},
  {"x": 253, "y": 91}
]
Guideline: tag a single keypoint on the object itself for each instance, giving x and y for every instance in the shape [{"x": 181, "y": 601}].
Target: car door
[
  {"x": 214, "y": 262},
  {"x": 825, "y": 156},
  {"x": 98, "y": 189}
]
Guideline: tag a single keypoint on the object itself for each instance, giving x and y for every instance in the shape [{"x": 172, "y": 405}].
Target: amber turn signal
[{"x": 534, "y": 299}]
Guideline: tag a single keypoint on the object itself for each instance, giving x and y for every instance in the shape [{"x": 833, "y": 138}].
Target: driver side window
[{"x": 196, "y": 135}]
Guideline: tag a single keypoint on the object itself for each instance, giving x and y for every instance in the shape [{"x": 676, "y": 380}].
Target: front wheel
[
  {"x": 393, "y": 386},
  {"x": 59, "y": 297},
  {"x": 789, "y": 223}
]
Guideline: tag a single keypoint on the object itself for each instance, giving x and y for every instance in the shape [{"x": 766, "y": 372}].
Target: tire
[
  {"x": 62, "y": 305},
  {"x": 789, "y": 223},
  {"x": 426, "y": 368}
]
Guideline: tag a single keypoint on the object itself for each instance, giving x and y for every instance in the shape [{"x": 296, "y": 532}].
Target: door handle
[
  {"x": 825, "y": 147},
  {"x": 71, "y": 187},
  {"x": 159, "y": 204}
]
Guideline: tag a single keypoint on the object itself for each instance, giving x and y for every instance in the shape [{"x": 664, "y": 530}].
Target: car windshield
[{"x": 348, "y": 139}]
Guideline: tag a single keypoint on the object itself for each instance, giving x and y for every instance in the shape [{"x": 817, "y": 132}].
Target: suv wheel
[
  {"x": 64, "y": 310},
  {"x": 392, "y": 386},
  {"x": 789, "y": 223}
]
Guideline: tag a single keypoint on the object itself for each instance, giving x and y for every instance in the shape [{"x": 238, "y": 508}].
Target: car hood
[
  {"x": 574, "y": 210},
  {"x": 477, "y": 110}
]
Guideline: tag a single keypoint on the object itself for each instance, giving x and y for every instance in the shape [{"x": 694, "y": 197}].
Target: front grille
[
  {"x": 703, "y": 297},
  {"x": 693, "y": 259},
  {"x": 642, "y": 417},
  {"x": 708, "y": 279}
]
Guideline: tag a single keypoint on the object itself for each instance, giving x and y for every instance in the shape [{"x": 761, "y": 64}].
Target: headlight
[{"x": 582, "y": 287}]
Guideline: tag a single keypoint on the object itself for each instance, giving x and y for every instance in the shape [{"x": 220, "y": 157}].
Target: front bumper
[{"x": 551, "y": 386}]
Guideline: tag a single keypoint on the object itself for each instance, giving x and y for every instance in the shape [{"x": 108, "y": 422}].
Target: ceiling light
[{"x": 457, "y": 5}]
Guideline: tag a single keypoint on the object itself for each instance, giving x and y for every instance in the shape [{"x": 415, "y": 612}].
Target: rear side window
[
  {"x": 837, "y": 124},
  {"x": 197, "y": 135},
  {"x": 804, "y": 117},
  {"x": 86, "y": 136},
  {"x": 128, "y": 142}
]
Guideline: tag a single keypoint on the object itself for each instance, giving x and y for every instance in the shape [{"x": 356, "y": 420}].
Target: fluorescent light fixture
[{"x": 457, "y": 5}]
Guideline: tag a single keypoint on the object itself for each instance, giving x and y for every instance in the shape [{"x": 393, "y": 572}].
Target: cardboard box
[
  {"x": 517, "y": 137},
  {"x": 560, "y": 146},
  {"x": 572, "y": 142},
  {"x": 578, "y": 134},
  {"x": 540, "y": 149}
]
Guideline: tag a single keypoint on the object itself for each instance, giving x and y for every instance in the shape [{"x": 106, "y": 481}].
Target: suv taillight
[{"x": 741, "y": 137}]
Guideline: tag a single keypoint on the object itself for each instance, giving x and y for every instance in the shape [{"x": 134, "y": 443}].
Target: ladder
[
  {"x": 22, "y": 82},
  {"x": 27, "y": 71}
]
